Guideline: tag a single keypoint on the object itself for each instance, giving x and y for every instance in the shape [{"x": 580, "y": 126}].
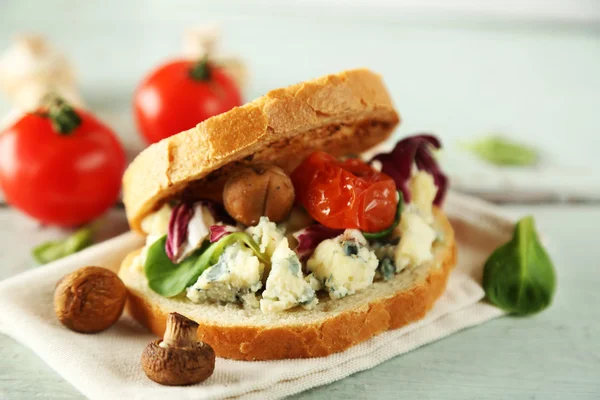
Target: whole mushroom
[
  {"x": 258, "y": 190},
  {"x": 90, "y": 299},
  {"x": 179, "y": 358}
]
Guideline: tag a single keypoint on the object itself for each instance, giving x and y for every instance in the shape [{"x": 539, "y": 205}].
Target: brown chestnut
[
  {"x": 90, "y": 299},
  {"x": 258, "y": 190}
]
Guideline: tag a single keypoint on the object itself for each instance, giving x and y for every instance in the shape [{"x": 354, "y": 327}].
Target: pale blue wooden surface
[{"x": 553, "y": 355}]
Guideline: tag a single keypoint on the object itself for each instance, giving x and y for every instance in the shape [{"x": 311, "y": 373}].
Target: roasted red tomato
[
  {"x": 345, "y": 194},
  {"x": 179, "y": 95},
  {"x": 61, "y": 166}
]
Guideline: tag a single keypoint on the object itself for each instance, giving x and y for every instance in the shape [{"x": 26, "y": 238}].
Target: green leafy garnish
[
  {"x": 501, "y": 151},
  {"x": 169, "y": 279},
  {"x": 386, "y": 232},
  {"x": 519, "y": 276},
  {"x": 56, "y": 249}
]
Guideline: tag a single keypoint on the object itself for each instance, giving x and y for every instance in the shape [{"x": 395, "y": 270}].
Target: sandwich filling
[{"x": 348, "y": 224}]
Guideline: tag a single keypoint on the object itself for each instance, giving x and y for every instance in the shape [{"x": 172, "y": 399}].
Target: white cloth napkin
[{"x": 106, "y": 365}]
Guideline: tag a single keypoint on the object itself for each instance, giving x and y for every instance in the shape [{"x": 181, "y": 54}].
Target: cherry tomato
[
  {"x": 179, "y": 95},
  {"x": 63, "y": 179},
  {"x": 345, "y": 194}
]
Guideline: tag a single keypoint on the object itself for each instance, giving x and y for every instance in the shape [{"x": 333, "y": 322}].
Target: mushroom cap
[
  {"x": 258, "y": 190},
  {"x": 178, "y": 366}
]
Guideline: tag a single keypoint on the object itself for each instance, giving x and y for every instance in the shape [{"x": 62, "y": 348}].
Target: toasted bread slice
[
  {"x": 335, "y": 325},
  {"x": 345, "y": 113}
]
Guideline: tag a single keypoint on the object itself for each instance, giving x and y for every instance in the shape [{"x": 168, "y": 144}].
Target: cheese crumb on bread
[
  {"x": 286, "y": 287},
  {"x": 155, "y": 226},
  {"x": 422, "y": 191},
  {"x": 236, "y": 277},
  {"x": 267, "y": 235},
  {"x": 343, "y": 265}
]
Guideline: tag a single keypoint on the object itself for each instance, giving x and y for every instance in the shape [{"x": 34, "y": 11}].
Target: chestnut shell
[{"x": 90, "y": 299}]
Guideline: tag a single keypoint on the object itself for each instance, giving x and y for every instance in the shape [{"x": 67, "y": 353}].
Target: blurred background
[{"x": 525, "y": 71}]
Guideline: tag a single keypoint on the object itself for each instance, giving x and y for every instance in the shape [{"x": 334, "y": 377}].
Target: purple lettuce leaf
[
  {"x": 310, "y": 237},
  {"x": 178, "y": 245},
  {"x": 178, "y": 230},
  {"x": 414, "y": 150},
  {"x": 218, "y": 231}
]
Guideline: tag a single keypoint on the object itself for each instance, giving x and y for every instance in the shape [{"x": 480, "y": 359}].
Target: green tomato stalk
[
  {"x": 201, "y": 70},
  {"x": 63, "y": 116}
]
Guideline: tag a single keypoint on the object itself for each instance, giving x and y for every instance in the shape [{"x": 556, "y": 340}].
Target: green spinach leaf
[
  {"x": 386, "y": 232},
  {"x": 169, "y": 279},
  {"x": 519, "y": 276},
  {"x": 54, "y": 250},
  {"x": 500, "y": 151}
]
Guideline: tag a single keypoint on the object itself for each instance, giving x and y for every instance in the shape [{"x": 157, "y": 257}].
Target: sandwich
[{"x": 264, "y": 225}]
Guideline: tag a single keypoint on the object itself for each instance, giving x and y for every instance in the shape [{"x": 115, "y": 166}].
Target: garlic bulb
[{"x": 31, "y": 68}]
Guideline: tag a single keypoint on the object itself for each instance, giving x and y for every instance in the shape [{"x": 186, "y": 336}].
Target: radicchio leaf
[
  {"x": 189, "y": 227},
  {"x": 218, "y": 231},
  {"x": 414, "y": 149},
  {"x": 310, "y": 237},
  {"x": 178, "y": 230}
]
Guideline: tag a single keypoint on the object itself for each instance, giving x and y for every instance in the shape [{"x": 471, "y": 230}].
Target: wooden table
[{"x": 553, "y": 355}]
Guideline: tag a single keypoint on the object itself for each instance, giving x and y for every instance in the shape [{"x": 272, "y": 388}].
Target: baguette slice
[
  {"x": 344, "y": 113},
  {"x": 335, "y": 325}
]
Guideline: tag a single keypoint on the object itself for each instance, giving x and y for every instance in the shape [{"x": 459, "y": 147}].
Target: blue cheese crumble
[
  {"x": 235, "y": 278},
  {"x": 415, "y": 231},
  {"x": 343, "y": 265},
  {"x": 286, "y": 287},
  {"x": 422, "y": 190},
  {"x": 385, "y": 252},
  {"x": 416, "y": 239},
  {"x": 266, "y": 234},
  {"x": 155, "y": 226}
]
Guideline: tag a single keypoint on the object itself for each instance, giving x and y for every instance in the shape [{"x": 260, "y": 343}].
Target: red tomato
[
  {"x": 62, "y": 179},
  {"x": 179, "y": 95},
  {"x": 345, "y": 195}
]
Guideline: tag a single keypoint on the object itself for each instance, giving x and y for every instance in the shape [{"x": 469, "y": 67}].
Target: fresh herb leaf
[
  {"x": 54, "y": 250},
  {"x": 164, "y": 276},
  {"x": 169, "y": 279},
  {"x": 386, "y": 232},
  {"x": 519, "y": 276},
  {"x": 503, "y": 152}
]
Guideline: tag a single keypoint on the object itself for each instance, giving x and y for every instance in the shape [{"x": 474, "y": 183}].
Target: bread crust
[
  {"x": 342, "y": 113},
  {"x": 323, "y": 337}
]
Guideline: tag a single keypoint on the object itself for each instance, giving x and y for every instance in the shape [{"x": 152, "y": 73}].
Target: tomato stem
[
  {"x": 63, "y": 116},
  {"x": 201, "y": 70}
]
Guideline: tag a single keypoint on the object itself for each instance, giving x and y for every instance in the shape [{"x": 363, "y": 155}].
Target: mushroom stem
[{"x": 181, "y": 331}]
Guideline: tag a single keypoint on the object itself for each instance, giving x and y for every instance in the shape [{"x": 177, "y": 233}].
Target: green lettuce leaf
[{"x": 169, "y": 279}]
